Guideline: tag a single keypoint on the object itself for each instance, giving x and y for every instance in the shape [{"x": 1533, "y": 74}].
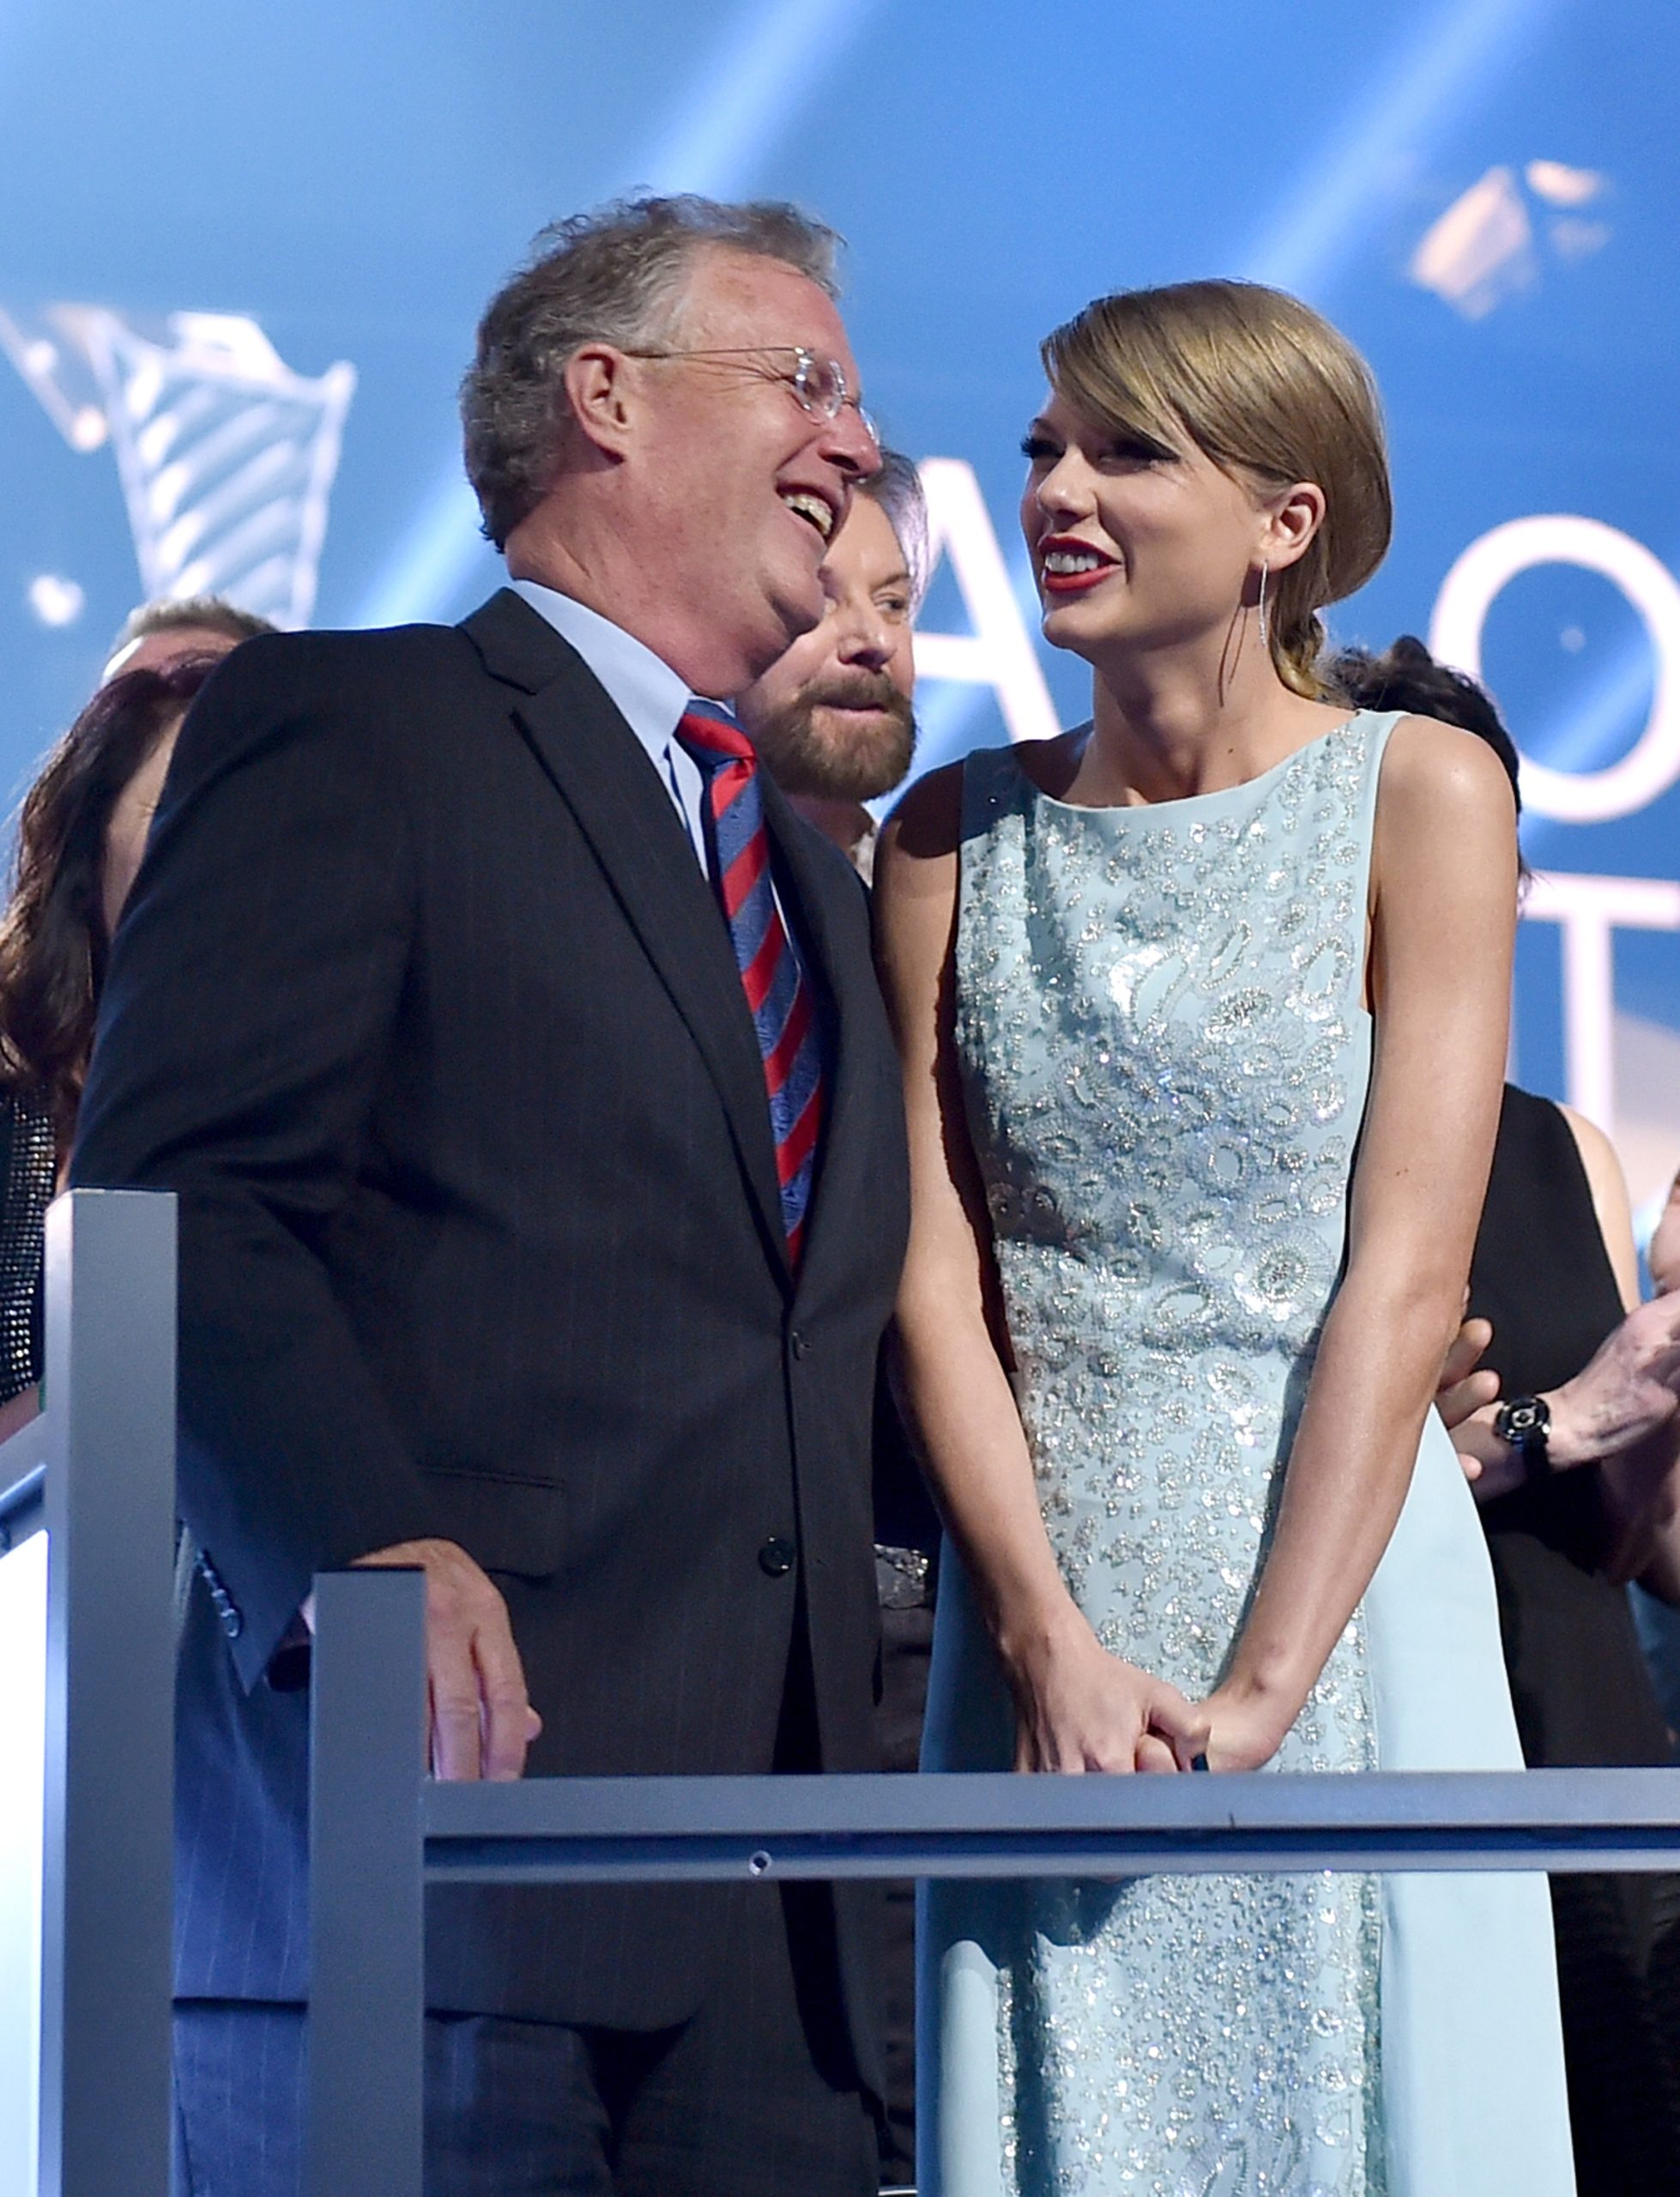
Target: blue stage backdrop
[{"x": 245, "y": 250}]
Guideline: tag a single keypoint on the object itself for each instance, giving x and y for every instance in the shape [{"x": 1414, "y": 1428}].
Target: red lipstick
[{"x": 1072, "y": 583}]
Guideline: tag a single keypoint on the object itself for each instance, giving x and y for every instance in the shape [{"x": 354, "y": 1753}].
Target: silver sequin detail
[{"x": 1165, "y": 1059}]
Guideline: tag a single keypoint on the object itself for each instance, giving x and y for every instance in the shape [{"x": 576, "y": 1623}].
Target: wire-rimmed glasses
[{"x": 818, "y": 384}]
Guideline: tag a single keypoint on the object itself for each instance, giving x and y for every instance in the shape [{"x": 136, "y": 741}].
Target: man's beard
[{"x": 840, "y": 759}]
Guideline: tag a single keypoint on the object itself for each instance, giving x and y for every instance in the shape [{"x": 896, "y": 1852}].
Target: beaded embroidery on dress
[{"x": 1165, "y": 1058}]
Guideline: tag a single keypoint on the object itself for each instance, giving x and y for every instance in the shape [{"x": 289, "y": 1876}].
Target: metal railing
[
  {"x": 382, "y": 1832},
  {"x": 97, "y": 1471}
]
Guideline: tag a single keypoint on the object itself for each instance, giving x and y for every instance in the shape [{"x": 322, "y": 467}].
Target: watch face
[{"x": 1524, "y": 1423}]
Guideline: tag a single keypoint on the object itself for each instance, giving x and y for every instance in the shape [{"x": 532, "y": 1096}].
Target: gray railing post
[
  {"x": 110, "y": 1496},
  {"x": 366, "y": 1908}
]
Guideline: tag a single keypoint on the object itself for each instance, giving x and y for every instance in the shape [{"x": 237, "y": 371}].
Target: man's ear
[
  {"x": 1295, "y": 519},
  {"x": 600, "y": 392}
]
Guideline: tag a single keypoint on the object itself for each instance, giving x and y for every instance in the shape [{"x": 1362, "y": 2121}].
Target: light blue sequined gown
[{"x": 1166, "y": 1058}]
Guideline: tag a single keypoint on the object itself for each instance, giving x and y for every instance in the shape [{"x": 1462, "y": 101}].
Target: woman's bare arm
[
  {"x": 1662, "y": 1254},
  {"x": 1639, "y": 1476},
  {"x": 1612, "y": 1208},
  {"x": 1443, "y": 915},
  {"x": 1079, "y": 1707}
]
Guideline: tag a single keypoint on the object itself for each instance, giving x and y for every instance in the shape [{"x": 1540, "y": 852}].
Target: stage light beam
[{"x": 1426, "y": 88}]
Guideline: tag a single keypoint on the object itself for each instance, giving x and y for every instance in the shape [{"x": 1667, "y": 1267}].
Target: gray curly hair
[
  {"x": 897, "y": 489},
  {"x": 614, "y": 275}
]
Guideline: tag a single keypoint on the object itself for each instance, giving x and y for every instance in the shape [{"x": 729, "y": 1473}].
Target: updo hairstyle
[{"x": 1269, "y": 391}]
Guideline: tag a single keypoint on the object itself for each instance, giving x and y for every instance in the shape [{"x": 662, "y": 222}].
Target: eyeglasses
[{"x": 819, "y": 384}]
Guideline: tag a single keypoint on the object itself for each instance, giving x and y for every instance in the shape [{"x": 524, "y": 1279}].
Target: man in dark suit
[{"x": 508, "y": 1248}]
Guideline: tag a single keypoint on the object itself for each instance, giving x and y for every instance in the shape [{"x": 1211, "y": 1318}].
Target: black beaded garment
[{"x": 28, "y": 1167}]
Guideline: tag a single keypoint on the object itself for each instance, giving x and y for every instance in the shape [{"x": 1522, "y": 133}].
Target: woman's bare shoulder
[
  {"x": 1443, "y": 771},
  {"x": 927, "y": 822}
]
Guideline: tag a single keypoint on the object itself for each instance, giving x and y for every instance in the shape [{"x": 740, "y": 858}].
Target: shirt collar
[{"x": 649, "y": 695}]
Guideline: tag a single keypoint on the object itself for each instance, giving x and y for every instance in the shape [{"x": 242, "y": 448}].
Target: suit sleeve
[{"x": 252, "y": 990}]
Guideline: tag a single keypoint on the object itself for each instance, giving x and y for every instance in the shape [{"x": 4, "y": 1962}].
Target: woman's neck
[{"x": 1169, "y": 724}]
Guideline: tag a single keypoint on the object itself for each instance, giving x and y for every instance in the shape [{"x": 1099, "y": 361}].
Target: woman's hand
[
  {"x": 1491, "y": 1465},
  {"x": 1244, "y": 1729},
  {"x": 1462, "y": 1388},
  {"x": 1079, "y": 1708}
]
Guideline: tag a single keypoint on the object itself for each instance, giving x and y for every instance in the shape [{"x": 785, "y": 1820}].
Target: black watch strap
[{"x": 1526, "y": 1423}]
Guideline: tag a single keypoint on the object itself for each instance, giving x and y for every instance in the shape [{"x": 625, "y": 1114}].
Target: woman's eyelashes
[
  {"x": 1128, "y": 449},
  {"x": 1119, "y": 450}
]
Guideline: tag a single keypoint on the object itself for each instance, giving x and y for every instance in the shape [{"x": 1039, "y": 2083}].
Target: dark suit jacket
[{"x": 423, "y": 1007}]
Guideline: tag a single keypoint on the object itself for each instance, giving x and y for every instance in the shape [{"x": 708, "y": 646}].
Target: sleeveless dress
[{"x": 1165, "y": 1061}]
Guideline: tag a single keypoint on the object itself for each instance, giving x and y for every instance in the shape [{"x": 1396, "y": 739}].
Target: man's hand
[
  {"x": 481, "y": 1719},
  {"x": 1625, "y": 1392}
]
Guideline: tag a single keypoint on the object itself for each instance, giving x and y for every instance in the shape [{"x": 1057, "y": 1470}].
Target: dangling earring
[{"x": 1265, "y": 630}]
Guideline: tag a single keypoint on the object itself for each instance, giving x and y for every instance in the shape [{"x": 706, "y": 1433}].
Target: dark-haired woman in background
[
  {"x": 81, "y": 835},
  {"x": 1554, "y": 1275}
]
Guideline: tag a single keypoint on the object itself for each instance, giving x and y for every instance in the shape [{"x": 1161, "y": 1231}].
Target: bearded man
[{"x": 834, "y": 719}]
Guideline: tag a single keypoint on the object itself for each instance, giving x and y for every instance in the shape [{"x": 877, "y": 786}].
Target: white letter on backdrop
[
  {"x": 999, "y": 653},
  {"x": 1589, "y": 908},
  {"x": 1653, "y": 764}
]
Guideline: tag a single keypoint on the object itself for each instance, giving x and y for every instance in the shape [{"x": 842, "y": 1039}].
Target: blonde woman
[{"x": 1202, "y": 1009}]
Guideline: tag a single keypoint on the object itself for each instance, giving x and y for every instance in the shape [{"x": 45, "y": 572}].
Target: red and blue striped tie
[{"x": 777, "y": 991}]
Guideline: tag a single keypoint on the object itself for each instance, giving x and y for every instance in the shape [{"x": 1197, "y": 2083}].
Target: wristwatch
[{"x": 1526, "y": 1423}]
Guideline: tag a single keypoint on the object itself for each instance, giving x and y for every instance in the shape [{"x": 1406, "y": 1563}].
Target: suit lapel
[{"x": 603, "y": 774}]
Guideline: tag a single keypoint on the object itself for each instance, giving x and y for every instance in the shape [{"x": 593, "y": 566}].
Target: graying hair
[
  {"x": 897, "y": 489},
  {"x": 614, "y": 275}
]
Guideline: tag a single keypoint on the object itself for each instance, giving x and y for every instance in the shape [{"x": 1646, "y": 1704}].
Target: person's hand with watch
[{"x": 1617, "y": 1410}]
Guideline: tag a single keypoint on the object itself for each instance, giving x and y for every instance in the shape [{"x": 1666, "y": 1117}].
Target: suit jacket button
[
  {"x": 799, "y": 1343},
  {"x": 232, "y": 1623},
  {"x": 776, "y": 1557}
]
